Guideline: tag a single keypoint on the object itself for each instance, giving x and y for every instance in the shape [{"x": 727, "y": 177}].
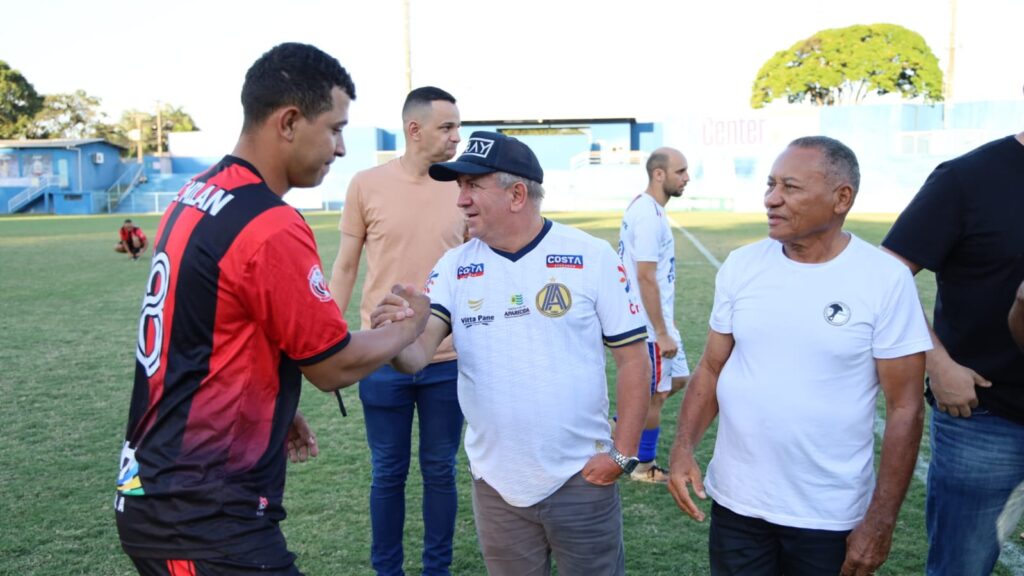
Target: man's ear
[
  {"x": 844, "y": 199},
  {"x": 519, "y": 196},
  {"x": 413, "y": 129},
  {"x": 285, "y": 120}
]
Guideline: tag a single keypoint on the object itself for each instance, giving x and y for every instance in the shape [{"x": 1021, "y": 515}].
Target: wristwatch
[{"x": 627, "y": 463}]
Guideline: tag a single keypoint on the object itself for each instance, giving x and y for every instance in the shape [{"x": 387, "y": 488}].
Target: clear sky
[{"x": 514, "y": 60}]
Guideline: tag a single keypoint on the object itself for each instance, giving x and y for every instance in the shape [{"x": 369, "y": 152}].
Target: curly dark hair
[{"x": 292, "y": 74}]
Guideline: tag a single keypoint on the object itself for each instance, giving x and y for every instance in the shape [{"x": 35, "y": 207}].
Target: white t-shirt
[
  {"x": 646, "y": 236},
  {"x": 797, "y": 396},
  {"x": 530, "y": 330}
]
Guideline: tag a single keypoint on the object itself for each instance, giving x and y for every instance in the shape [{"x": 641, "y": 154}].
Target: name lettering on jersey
[
  {"x": 317, "y": 284},
  {"x": 478, "y": 320},
  {"x": 205, "y": 197},
  {"x": 469, "y": 271},
  {"x": 517, "y": 310},
  {"x": 565, "y": 261},
  {"x": 479, "y": 147},
  {"x": 554, "y": 300},
  {"x": 430, "y": 281}
]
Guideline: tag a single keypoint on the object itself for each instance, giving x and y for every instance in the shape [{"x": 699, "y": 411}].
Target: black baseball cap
[{"x": 488, "y": 152}]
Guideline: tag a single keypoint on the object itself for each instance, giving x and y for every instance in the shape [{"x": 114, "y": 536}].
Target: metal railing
[
  {"x": 23, "y": 198},
  {"x": 123, "y": 186}
]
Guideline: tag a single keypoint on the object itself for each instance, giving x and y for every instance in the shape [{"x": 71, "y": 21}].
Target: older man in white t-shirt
[{"x": 807, "y": 327}]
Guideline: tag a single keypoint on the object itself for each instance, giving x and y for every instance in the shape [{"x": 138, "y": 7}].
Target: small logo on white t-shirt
[{"x": 837, "y": 313}]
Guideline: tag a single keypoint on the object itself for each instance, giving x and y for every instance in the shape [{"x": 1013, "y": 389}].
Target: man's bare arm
[{"x": 867, "y": 547}]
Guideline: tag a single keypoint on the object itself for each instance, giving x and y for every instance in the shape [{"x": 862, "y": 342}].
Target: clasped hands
[{"x": 403, "y": 302}]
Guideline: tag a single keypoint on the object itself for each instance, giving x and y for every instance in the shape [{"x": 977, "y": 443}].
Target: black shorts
[{"x": 259, "y": 563}]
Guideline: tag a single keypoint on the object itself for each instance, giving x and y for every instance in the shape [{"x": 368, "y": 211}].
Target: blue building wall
[{"x": 78, "y": 171}]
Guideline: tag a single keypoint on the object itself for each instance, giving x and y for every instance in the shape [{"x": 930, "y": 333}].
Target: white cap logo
[{"x": 478, "y": 147}]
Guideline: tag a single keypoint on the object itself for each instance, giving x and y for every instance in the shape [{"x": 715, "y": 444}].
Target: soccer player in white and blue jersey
[{"x": 648, "y": 251}]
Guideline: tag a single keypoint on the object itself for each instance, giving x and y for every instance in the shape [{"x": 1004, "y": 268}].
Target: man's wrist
[{"x": 627, "y": 463}]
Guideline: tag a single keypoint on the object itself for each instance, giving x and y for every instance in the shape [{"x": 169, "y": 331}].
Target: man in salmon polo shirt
[{"x": 405, "y": 221}]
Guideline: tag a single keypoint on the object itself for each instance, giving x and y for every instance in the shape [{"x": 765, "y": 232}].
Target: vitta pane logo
[
  {"x": 565, "y": 261},
  {"x": 837, "y": 313},
  {"x": 475, "y": 305},
  {"x": 554, "y": 300},
  {"x": 469, "y": 271},
  {"x": 479, "y": 147}
]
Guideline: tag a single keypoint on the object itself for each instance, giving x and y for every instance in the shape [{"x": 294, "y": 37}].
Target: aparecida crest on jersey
[{"x": 554, "y": 300}]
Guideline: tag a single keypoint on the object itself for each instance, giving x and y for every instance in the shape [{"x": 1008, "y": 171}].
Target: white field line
[{"x": 1011, "y": 556}]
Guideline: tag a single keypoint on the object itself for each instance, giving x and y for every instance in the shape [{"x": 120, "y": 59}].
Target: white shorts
[{"x": 663, "y": 370}]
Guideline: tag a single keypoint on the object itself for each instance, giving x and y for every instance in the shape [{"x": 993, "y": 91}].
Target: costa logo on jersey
[
  {"x": 565, "y": 261},
  {"x": 317, "y": 284},
  {"x": 469, "y": 271},
  {"x": 554, "y": 300}
]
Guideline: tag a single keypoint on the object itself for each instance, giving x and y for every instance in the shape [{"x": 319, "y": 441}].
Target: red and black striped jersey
[{"x": 235, "y": 302}]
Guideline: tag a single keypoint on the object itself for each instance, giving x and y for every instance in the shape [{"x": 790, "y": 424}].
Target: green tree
[
  {"x": 171, "y": 119},
  {"x": 19, "y": 103},
  {"x": 74, "y": 115},
  {"x": 845, "y": 65}
]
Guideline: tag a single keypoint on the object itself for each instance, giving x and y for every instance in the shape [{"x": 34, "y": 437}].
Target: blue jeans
[
  {"x": 389, "y": 399},
  {"x": 976, "y": 464}
]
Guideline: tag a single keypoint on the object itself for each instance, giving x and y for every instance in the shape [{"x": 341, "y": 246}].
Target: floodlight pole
[
  {"x": 138, "y": 126},
  {"x": 407, "y": 44},
  {"x": 947, "y": 90},
  {"x": 159, "y": 131}
]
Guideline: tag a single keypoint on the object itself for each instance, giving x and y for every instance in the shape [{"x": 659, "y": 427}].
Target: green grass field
[{"x": 68, "y": 316}]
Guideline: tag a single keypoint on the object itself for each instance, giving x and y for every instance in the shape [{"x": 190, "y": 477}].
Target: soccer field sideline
[
  {"x": 1012, "y": 554},
  {"x": 69, "y": 335}
]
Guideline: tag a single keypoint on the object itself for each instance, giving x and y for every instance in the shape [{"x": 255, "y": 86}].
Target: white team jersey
[
  {"x": 796, "y": 398},
  {"x": 530, "y": 329},
  {"x": 646, "y": 236}
]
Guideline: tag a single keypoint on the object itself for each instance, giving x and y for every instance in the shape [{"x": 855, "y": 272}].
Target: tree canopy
[
  {"x": 74, "y": 116},
  {"x": 171, "y": 119},
  {"x": 845, "y": 65},
  {"x": 24, "y": 113},
  {"x": 19, "y": 103}
]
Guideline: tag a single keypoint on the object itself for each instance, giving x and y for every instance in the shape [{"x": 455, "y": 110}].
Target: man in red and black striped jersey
[{"x": 236, "y": 310}]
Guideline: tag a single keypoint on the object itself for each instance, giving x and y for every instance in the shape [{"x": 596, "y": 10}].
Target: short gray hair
[
  {"x": 534, "y": 191},
  {"x": 840, "y": 161}
]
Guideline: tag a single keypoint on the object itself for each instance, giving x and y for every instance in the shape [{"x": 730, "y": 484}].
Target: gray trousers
[{"x": 580, "y": 523}]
